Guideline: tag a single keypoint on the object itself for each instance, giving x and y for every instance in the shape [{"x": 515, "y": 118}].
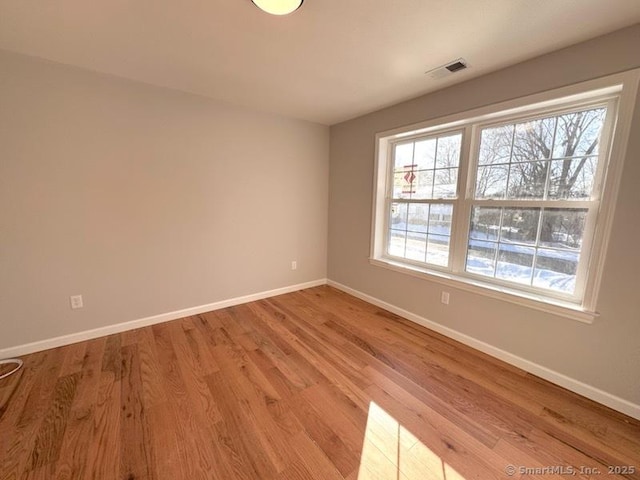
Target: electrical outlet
[
  {"x": 294, "y": 265},
  {"x": 76, "y": 301},
  {"x": 444, "y": 298}
]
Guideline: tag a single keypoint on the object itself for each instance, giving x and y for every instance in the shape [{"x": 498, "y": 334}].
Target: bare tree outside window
[{"x": 550, "y": 158}]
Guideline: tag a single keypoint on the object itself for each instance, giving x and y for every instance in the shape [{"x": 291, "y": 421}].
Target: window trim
[{"x": 620, "y": 87}]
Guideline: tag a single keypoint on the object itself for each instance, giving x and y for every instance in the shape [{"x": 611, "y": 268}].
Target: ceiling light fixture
[{"x": 278, "y": 7}]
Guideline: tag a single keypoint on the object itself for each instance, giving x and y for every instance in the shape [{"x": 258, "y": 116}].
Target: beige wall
[
  {"x": 145, "y": 200},
  {"x": 606, "y": 354}
]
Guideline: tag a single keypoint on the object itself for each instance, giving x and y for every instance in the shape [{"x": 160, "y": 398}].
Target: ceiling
[{"x": 329, "y": 61}]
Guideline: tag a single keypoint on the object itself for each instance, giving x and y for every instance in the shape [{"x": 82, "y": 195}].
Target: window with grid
[
  {"x": 507, "y": 200},
  {"x": 425, "y": 179},
  {"x": 533, "y": 195}
]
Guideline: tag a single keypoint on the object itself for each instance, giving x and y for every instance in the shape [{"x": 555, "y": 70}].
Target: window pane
[
  {"x": 425, "y": 154},
  {"x": 562, "y": 228},
  {"x": 416, "y": 246},
  {"x": 572, "y": 139},
  {"x": 449, "y": 151},
  {"x": 572, "y": 178},
  {"x": 446, "y": 181},
  {"x": 556, "y": 270},
  {"x": 423, "y": 184},
  {"x": 418, "y": 217},
  {"x": 481, "y": 258},
  {"x": 403, "y": 184},
  {"x": 578, "y": 133},
  {"x": 491, "y": 181},
  {"x": 398, "y": 214},
  {"x": 438, "y": 250},
  {"x": 485, "y": 223},
  {"x": 520, "y": 225},
  {"x": 547, "y": 258},
  {"x": 420, "y": 232},
  {"x": 440, "y": 219},
  {"x": 495, "y": 145},
  {"x": 533, "y": 140},
  {"x": 527, "y": 180},
  {"x": 397, "y": 243},
  {"x": 415, "y": 168},
  {"x": 403, "y": 156},
  {"x": 515, "y": 263}
]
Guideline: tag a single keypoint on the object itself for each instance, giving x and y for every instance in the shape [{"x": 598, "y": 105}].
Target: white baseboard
[
  {"x": 144, "y": 322},
  {"x": 593, "y": 393}
]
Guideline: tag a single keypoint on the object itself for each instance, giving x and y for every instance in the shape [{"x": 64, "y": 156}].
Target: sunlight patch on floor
[{"x": 391, "y": 452}]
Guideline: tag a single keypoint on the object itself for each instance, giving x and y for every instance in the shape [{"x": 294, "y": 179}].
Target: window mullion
[
  {"x": 462, "y": 209},
  {"x": 547, "y": 183},
  {"x": 535, "y": 203},
  {"x": 424, "y": 201}
]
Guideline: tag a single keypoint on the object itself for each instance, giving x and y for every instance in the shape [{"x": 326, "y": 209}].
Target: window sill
[{"x": 536, "y": 302}]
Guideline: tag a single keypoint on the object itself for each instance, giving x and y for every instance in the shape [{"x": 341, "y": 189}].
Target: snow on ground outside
[{"x": 437, "y": 254}]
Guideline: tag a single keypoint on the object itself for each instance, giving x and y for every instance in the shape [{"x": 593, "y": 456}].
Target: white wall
[
  {"x": 604, "y": 355},
  {"x": 145, "y": 200}
]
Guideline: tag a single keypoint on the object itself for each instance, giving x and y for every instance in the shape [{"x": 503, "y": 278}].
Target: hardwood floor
[{"x": 310, "y": 385}]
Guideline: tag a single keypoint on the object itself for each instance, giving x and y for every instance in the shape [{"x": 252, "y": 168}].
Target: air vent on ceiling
[
  {"x": 455, "y": 66},
  {"x": 448, "y": 69}
]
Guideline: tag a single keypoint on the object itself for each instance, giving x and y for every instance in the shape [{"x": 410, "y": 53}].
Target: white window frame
[{"x": 618, "y": 92}]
